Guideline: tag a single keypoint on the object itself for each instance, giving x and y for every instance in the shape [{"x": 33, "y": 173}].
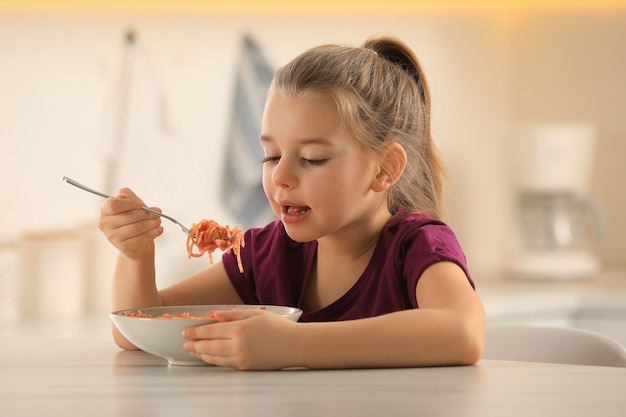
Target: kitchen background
[{"x": 76, "y": 93}]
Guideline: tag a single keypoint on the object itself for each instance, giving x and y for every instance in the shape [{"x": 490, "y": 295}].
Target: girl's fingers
[
  {"x": 205, "y": 331},
  {"x": 236, "y": 314},
  {"x": 214, "y": 351}
]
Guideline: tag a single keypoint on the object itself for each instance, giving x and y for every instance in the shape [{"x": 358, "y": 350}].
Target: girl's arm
[
  {"x": 447, "y": 329},
  {"x": 133, "y": 287},
  {"x": 209, "y": 286},
  {"x": 132, "y": 231}
]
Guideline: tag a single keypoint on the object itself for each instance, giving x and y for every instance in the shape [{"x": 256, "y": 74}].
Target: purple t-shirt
[{"x": 276, "y": 268}]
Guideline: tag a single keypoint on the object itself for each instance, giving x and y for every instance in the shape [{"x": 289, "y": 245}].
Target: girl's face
[{"x": 317, "y": 180}]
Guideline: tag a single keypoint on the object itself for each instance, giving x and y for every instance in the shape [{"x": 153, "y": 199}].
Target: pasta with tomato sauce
[
  {"x": 185, "y": 315},
  {"x": 207, "y": 236}
]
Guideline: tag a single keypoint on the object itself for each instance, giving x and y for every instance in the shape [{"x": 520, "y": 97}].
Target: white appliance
[{"x": 558, "y": 224}]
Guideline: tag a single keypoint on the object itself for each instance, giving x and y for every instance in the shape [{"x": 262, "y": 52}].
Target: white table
[{"x": 48, "y": 372}]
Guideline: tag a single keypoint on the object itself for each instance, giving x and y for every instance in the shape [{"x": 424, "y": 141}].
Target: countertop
[{"x": 598, "y": 303}]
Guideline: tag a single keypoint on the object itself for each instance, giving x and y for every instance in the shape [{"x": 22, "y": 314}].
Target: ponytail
[{"x": 400, "y": 55}]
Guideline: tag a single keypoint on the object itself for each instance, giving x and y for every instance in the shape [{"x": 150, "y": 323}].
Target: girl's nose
[{"x": 283, "y": 174}]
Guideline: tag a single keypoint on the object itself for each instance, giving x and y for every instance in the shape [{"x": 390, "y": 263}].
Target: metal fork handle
[
  {"x": 173, "y": 220},
  {"x": 84, "y": 187},
  {"x": 68, "y": 180}
]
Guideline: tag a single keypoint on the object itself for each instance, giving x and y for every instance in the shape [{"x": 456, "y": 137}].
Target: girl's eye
[
  {"x": 271, "y": 159},
  {"x": 305, "y": 161},
  {"x": 314, "y": 162}
]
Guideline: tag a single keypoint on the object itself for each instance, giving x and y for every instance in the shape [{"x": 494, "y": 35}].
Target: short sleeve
[{"x": 424, "y": 245}]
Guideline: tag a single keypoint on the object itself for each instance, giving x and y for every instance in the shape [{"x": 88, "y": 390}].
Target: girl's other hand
[
  {"x": 131, "y": 230},
  {"x": 242, "y": 339}
]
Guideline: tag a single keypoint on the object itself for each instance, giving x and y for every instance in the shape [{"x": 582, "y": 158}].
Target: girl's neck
[
  {"x": 359, "y": 239},
  {"x": 340, "y": 262}
]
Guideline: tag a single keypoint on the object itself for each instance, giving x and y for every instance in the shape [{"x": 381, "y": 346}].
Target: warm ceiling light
[{"x": 294, "y": 5}]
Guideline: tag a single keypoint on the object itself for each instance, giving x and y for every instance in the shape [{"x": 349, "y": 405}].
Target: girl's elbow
[
  {"x": 121, "y": 341},
  {"x": 473, "y": 351},
  {"x": 473, "y": 336}
]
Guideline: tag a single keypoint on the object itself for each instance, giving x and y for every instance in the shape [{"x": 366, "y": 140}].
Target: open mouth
[{"x": 295, "y": 209}]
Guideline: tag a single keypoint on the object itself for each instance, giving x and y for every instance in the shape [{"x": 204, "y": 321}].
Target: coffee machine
[{"x": 558, "y": 224}]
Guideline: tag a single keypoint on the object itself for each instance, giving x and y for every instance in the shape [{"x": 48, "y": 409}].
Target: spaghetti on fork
[{"x": 208, "y": 235}]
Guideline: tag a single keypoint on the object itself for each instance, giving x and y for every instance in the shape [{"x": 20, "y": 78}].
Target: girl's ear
[{"x": 391, "y": 167}]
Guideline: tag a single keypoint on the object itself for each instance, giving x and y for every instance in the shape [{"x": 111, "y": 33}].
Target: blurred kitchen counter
[{"x": 597, "y": 303}]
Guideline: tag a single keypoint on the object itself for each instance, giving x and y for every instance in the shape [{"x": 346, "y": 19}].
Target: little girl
[{"x": 352, "y": 173}]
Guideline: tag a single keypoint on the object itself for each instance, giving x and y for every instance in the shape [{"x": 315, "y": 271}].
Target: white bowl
[{"x": 163, "y": 336}]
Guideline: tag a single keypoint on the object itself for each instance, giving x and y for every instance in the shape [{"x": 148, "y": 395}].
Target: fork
[{"x": 182, "y": 227}]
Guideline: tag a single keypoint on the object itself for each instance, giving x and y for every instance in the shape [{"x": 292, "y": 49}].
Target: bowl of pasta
[{"x": 158, "y": 330}]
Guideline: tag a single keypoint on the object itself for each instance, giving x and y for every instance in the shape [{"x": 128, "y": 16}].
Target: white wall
[{"x": 58, "y": 72}]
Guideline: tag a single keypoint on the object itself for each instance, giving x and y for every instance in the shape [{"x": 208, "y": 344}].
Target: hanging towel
[{"x": 242, "y": 188}]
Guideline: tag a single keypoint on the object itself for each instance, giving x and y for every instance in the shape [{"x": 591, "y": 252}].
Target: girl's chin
[{"x": 298, "y": 234}]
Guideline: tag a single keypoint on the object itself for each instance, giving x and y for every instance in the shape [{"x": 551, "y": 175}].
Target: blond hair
[{"x": 381, "y": 96}]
